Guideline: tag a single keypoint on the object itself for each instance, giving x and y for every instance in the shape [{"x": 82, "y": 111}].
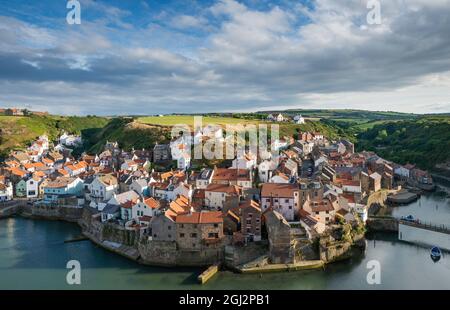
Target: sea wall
[
  {"x": 239, "y": 255},
  {"x": 60, "y": 213},
  {"x": 428, "y": 237},
  {"x": 382, "y": 224},
  {"x": 163, "y": 253}
]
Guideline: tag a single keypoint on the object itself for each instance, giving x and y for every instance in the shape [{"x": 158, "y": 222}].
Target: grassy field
[{"x": 171, "y": 120}]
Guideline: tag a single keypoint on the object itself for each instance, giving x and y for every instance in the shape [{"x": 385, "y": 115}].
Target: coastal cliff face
[{"x": 342, "y": 243}]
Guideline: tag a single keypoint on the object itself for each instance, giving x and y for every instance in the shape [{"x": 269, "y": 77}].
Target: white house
[
  {"x": 70, "y": 140},
  {"x": 283, "y": 198},
  {"x": 180, "y": 146},
  {"x": 6, "y": 191},
  {"x": 401, "y": 171},
  {"x": 298, "y": 119},
  {"x": 76, "y": 169},
  {"x": 306, "y": 147},
  {"x": 119, "y": 199},
  {"x": 33, "y": 187},
  {"x": 247, "y": 161},
  {"x": 280, "y": 118},
  {"x": 351, "y": 186},
  {"x": 279, "y": 144},
  {"x": 129, "y": 165},
  {"x": 280, "y": 178},
  {"x": 184, "y": 161},
  {"x": 216, "y": 195},
  {"x": 204, "y": 178},
  {"x": 145, "y": 208},
  {"x": 183, "y": 189},
  {"x": 102, "y": 189},
  {"x": 265, "y": 170},
  {"x": 140, "y": 186}
]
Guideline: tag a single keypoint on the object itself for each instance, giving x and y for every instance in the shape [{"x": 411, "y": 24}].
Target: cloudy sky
[{"x": 166, "y": 56}]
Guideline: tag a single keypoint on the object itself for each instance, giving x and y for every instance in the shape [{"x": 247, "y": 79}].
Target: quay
[
  {"x": 206, "y": 275},
  {"x": 298, "y": 266},
  {"x": 402, "y": 197}
]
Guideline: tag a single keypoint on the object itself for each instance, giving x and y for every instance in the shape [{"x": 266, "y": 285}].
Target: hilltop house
[{"x": 298, "y": 119}]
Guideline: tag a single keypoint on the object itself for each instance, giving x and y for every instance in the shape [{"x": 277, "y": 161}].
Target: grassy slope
[
  {"x": 129, "y": 134},
  {"x": 286, "y": 129},
  {"x": 17, "y": 132}
]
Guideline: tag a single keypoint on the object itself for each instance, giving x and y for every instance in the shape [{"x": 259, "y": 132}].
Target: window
[
  {"x": 169, "y": 227},
  {"x": 169, "y": 235},
  {"x": 290, "y": 207},
  {"x": 216, "y": 225},
  {"x": 249, "y": 222},
  {"x": 155, "y": 235},
  {"x": 181, "y": 235},
  {"x": 194, "y": 235},
  {"x": 286, "y": 200}
]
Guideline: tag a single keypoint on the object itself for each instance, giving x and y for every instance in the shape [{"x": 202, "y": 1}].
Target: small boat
[
  {"x": 408, "y": 218},
  {"x": 435, "y": 253}
]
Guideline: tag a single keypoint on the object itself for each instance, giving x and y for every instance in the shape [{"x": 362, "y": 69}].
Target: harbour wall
[{"x": 418, "y": 235}]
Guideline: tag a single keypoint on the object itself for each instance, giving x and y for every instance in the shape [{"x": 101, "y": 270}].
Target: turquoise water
[{"x": 33, "y": 255}]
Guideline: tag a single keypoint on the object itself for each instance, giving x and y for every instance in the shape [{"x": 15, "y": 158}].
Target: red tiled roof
[{"x": 211, "y": 217}]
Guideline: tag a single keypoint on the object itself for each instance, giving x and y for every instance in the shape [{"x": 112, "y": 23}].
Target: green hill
[
  {"x": 425, "y": 141},
  {"x": 18, "y": 131}
]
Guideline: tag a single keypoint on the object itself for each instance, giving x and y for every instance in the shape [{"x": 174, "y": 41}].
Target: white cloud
[{"x": 249, "y": 60}]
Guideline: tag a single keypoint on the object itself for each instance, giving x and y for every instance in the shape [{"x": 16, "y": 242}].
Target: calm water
[
  {"x": 33, "y": 255},
  {"x": 430, "y": 208}
]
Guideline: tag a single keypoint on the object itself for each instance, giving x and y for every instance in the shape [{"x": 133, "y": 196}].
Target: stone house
[
  {"x": 251, "y": 220},
  {"x": 197, "y": 230},
  {"x": 161, "y": 153}
]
